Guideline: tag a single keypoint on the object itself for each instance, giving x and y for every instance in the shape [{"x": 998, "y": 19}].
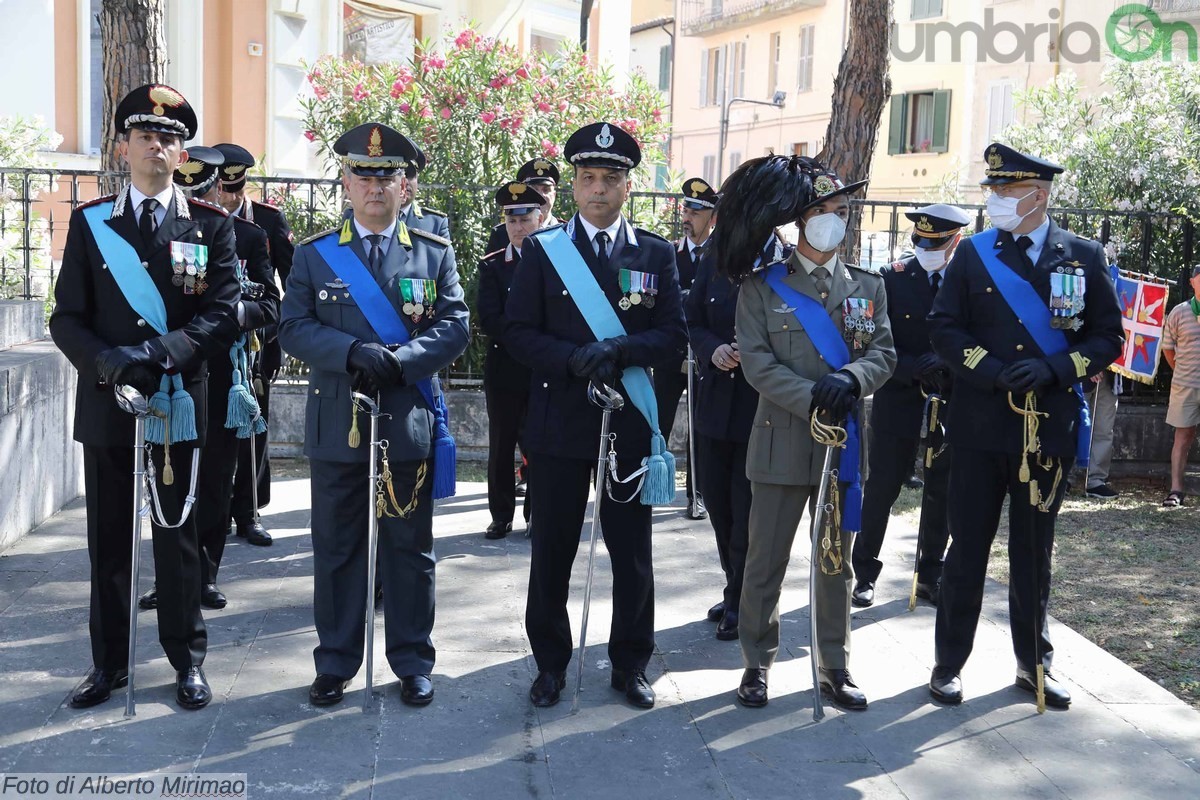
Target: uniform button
[
  {"x": 316, "y": 391},
  {"x": 785, "y": 326},
  {"x": 333, "y": 297},
  {"x": 141, "y": 323},
  {"x": 104, "y": 266},
  {"x": 712, "y": 299},
  {"x": 1020, "y": 347},
  {"x": 908, "y": 316},
  {"x": 146, "y": 265},
  {"x": 495, "y": 347},
  {"x": 767, "y": 423},
  {"x": 564, "y": 291},
  {"x": 545, "y": 386},
  {"x": 989, "y": 289}
]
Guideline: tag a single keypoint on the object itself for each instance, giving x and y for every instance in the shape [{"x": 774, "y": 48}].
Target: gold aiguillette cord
[{"x": 831, "y": 524}]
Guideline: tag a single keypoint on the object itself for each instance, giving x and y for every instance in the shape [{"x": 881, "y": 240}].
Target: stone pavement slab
[{"x": 1123, "y": 737}]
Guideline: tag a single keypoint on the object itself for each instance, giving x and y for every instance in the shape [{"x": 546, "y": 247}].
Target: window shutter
[
  {"x": 897, "y": 124},
  {"x": 664, "y": 68},
  {"x": 941, "y": 121},
  {"x": 703, "y": 78}
]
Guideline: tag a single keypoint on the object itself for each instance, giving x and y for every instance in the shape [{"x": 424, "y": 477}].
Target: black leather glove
[
  {"x": 141, "y": 378},
  {"x": 936, "y": 382},
  {"x": 587, "y": 358},
  {"x": 928, "y": 363},
  {"x": 113, "y": 364},
  {"x": 835, "y": 393},
  {"x": 607, "y": 374},
  {"x": 1029, "y": 375},
  {"x": 376, "y": 363},
  {"x": 252, "y": 290}
]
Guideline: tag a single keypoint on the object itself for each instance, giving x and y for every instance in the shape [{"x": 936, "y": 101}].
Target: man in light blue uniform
[{"x": 330, "y": 323}]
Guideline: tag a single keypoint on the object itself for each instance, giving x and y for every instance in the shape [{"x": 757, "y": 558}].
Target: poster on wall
[{"x": 375, "y": 34}]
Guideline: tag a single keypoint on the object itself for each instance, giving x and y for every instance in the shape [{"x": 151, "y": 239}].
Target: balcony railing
[{"x": 702, "y": 16}]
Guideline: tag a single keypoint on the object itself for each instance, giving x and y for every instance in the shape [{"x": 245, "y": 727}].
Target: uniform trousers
[
  {"x": 406, "y": 564},
  {"x": 891, "y": 460},
  {"x": 506, "y": 414},
  {"x": 1103, "y": 402},
  {"x": 214, "y": 492},
  {"x": 979, "y": 483},
  {"x": 108, "y": 481},
  {"x": 669, "y": 385},
  {"x": 242, "y": 507},
  {"x": 560, "y": 492},
  {"x": 775, "y": 514},
  {"x": 726, "y": 491}
]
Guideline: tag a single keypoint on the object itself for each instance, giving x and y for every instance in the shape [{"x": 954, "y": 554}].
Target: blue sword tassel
[{"x": 160, "y": 412}]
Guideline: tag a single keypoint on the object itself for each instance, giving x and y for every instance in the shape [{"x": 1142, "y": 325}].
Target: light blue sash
[
  {"x": 1034, "y": 316},
  {"x": 602, "y": 320}
]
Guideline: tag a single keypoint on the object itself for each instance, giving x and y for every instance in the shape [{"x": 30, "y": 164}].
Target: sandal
[{"x": 1174, "y": 499}]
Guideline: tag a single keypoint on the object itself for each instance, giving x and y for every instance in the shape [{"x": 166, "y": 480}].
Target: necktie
[
  {"x": 1024, "y": 243},
  {"x": 375, "y": 256},
  {"x": 697, "y": 252},
  {"x": 821, "y": 278},
  {"x": 602, "y": 249},
  {"x": 935, "y": 280},
  {"x": 147, "y": 225}
]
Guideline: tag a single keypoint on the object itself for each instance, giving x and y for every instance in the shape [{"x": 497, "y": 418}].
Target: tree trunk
[
  {"x": 860, "y": 91},
  {"x": 133, "y": 33}
]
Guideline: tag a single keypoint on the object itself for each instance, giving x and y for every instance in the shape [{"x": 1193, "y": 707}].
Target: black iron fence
[{"x": 35, "y": 206}]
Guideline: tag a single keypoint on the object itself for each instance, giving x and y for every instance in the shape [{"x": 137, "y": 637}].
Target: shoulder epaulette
[
  {"x": 242, "y": 220},
  {"x": 867, "y": 270},
  {"x": 495, "y": 252},
  {"x": 319, "y": 234},
  {"x": 652, "y": 235},
  {"x": 548, "y": 228},
  {"x": 434, "y": 211},
  {"x": 433, "y": 237},
  {"x": 265, "y": 204},
  {"x": 209, "y": 206},
  {"x": 94, "y": 201}
]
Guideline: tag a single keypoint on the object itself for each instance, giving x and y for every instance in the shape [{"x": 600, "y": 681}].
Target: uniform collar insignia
[
  {"x": 347, "y": 232},
  {"x": 402, "y": 234}
]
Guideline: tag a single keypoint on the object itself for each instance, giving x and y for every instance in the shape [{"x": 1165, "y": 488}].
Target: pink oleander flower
[
  {"x": 360, "y": 94},
  {"x": 446, "y": 113},
  {"x": 544, "y": 107},
  {"x": 426, "y": 112},
  {"x": 405, "y": 108},
  {"x": 523, "y": 73},
  {"x": 488, "y": 117},
  {"x": 435, "y": 62},
  {"x": 465, "y": 39},
  {"x": 498, "y": 81},
  {"x": 483, "y": 95},
  {"x": 312, "y": 137},
  {"x": 550, "y": 149},
  {"x": 321, "y": 92},
  {"x": 398, "y": 88},
  {"x": 314, "y": 76}
]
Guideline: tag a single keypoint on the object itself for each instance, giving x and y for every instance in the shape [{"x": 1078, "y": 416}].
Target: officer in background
[
  {"x": 903, "y": 406},
  {"x": 411, "y": 211},
  {"x": 1027, "y": 311},
  {"x": 258, "y": 307},
  {"x": 798, "y": 315},
  {"x": 329, "y": 322},
  {"x": 549, "y": 332},
  {"x": 542, "y": 175},
  {"x": 670, "y": 378},
  {"x": 117, "y": 328},
  {"x": 266, "y": 363},
  {"x": 505, "y": 379},
  {"x": 724, "y": 413}
]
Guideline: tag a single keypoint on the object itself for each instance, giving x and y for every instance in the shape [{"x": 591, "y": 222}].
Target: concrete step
[{"x": 21, "y": 321}]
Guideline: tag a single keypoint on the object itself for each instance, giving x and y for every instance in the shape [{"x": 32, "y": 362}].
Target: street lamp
[{"x": 776, "y": 101}]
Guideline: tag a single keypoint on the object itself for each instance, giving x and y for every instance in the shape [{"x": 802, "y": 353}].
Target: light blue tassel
[
  {"x": 445, "y": 453},
  {"x": 241, "y": 405},
  {"x": 160, "y": 411},
  {"x": 659, "y": 487},
  {"x": 183, "y": 413}
]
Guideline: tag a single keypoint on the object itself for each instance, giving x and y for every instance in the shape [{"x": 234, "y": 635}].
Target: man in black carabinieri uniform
[
  {"x": 117, "y": 328},
  {"x": 542, "y": 175},
  {"x": 915, "y": 392},
  {"x": 1026, "y": 313},
  {"x": 330, "y": 322},
  {"x": 505, "y": 379},
  {"x": 635, "y": 271}
]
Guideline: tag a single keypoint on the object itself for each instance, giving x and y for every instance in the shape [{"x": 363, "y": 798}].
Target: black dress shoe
[
  {"x": 1056, "y": 694},
  {"x": 946, "y": 686},
  {"x": 98, "y": 686},
  {"x": 696, "y": 509},
  {"x": 521, "y": 488},
  {"x": 727, "y": 628},
  {"x": 191, "y": 689},
  {"x": 913, "y": 482},
  {"x": 863, "y": 595},
  {"x": 211, "y": 596},
  {"x": 752, "y": 691},
  {"x": 254, "y": 533},
  {"x": 498, "y": 530},
  {"x": 839, "y": 687},
  {"x": 416, "y": 690},
  {"x": 928, "y": 592},
  {"x": 546, "y": 688},
  {"x": 149, "y": 600},
  {"x": 327, "y": 690},
  {"x": 717, "y": 612},
  {"x": 636, "y": 687}
]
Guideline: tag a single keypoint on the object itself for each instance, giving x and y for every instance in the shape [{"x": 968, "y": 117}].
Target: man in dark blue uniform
[
  {"x": 411, "y": 211},
  {"x": 330, "y": 322},
  {"x": 903, "y": 407},
  {"x": 505, "y": 379},
  {"x": 116, "y": 328},
  {"x": 265, "y": 364},
  {"x": 724, "y": 409},
  {"x": 670, "y": 378},
  {"x": 634, "y": 272},
  {"x": 542, "y": 175},
  {"x": 1026, "y": 313}
]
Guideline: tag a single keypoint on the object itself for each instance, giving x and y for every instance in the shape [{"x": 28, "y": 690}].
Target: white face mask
[
  {"x": 825, "y": 232},
  {"x": 1003, "y": 211},
  {"x": 930, "y": 260}
]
